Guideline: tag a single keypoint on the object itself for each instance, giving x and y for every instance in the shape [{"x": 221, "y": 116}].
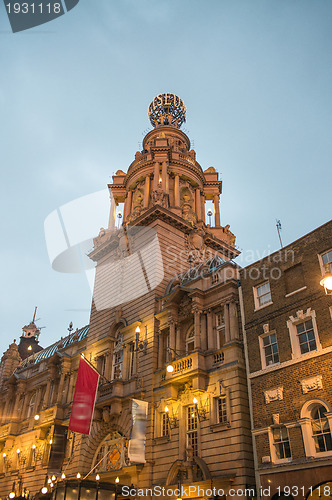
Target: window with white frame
[
  {"x": 326, "y": 262},
  {"x": 190, "y": 340},
  {"x": 303, "y": 333},
  {"x": 262, "y": 295},
  {"x": 320, "y": 429},
  {"x": 269, "y": 349},
  {"x": 316, "y": 421},
  {"x": 192, "y": 429},
  {"x": 281, "y": 443}
]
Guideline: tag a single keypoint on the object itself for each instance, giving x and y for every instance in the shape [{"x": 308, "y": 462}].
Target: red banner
[{"x": 84, "y": 398}]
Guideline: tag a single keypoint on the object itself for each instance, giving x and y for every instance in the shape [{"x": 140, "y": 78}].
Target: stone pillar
[
  {"x": 198, "y": 203},
  {"x": 177, "y": 191},
  {"x": 227, "y": 325},
  {"x": 156, "y": 175},
  {"x": 47, "y": 394},
  {"x": 108, "y": 364},
  {"x": 233, "y": 320},
  {"x": 178, "y": 345},
  {"x": 197, "y": 315},
  {"x": 216, "y": 210},
  {"x": 127, "y": 206},
  {"x": 203, "y": 332},
  {"x": 60, "y": 387},
  {"x": 211, "y": 339},
  {"x": 203, "y": 207},
  {"x": 38, "y": 398},
  {"x": 161, "y": 350},
  {"x": 112, "y": 217},
  {"x": 164, "y": 177},
  {"x": 147, "y": 191},
  {"x": 19, "y": 392},
  {"x": 308, "y": 441},
  {"x": 172, "y": 327}
]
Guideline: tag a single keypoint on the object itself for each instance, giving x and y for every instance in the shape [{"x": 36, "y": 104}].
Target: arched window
[
  {"x": 117, "y": 365},
  {"x": 190, "y": 340},
  {"x": 111, "y": 453},
  {"x": 320, "y": 429},
  {"x": 316, "y": 428}
]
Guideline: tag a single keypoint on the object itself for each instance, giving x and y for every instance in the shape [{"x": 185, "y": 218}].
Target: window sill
[
  {"x": 282, "y": 461},
  {"x": 262, "y": 307},
  {"x": 271, "y": 365},
  {"x": 223, "y": 426},
  {"x": 295, "y": 291},
  {"x": 162, "y": 439}
]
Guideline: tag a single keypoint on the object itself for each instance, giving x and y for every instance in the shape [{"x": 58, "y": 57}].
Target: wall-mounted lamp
[
  {"x": 326, "y": 282},
  {"x": 172, "y": 418},
  {"x": 209, "y": 212},
  {"x": 201, "y": 410},
  {"x": 141, "y": 345}
]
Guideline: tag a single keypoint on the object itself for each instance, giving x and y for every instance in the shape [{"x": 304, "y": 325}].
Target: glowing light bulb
[
  {"x": 166, "y": 409},
  {"x": 37, "y": 417},
  {"x": 170, "y": 368},
  {"x": 97, "y": 477},
  {"x": 49, "y": 481},
  {"x": 326, "y": 282},
  {"x": 44, "y": 490},
  {"x": 78, "y": 475},
  {"x": 11, "y": 494},
  {"x": 63, "y": 476},
  {"x": 51, "y": 441},
  {"x": 4, "y": 455},
  {"x": 33, "y": 446},
  {"x": 53, "y": 478},
  {"x": 117, "y": 479},
  {"x": 51, "y": 485},
  {"x": 137, "y": 329},
  {"x": 195, "y": 401},
  {"x": 30, "y": 348},
  {"x": 18, "y": 451}
]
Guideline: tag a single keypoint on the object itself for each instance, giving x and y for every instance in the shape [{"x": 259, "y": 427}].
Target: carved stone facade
[{"x": 165, "y": 294}]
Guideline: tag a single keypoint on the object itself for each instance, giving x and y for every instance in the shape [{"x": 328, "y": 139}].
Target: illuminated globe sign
[{"x": 167, "y": 109}]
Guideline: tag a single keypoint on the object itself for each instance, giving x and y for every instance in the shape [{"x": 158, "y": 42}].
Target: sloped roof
[{"x": 61, "y": 344}]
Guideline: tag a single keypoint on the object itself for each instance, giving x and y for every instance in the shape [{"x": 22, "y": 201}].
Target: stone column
[
  {"x": 177, "y": 190},
  {"x": 112, "y": 217},
  {"x": 19, "y": 392},
  {"x": 307, "y": 436},
  {"x": 127, "y": 207},
  {"x": 172, "y": 327},
  {"x": 203, "y": 207},
  {"x": 178, "y": 345},
  {"x": 164, "y": 177},
  {"x": 47, "y": 394},
  {"x": 203, "y": 331},
  {"x": 198, "y": 203},
  {"x": 211, "y": 339},
  {"x": 60, "y": 387},
  {"x": 147, "y": 191},
  {"x": 161, "y": 350},
  {"x": 227, "y": 325},
  {"x": 108, "y": 360},
  {"x": 233, "y": 319},
  {"x": 156, "y": 175},
  {"x": 216, "y": 210},
  {"x": 197, "y": 316}
]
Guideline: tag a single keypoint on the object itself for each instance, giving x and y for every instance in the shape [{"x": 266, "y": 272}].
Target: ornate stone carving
[
  {"x": 275, "y": 394},
  {"x": 159, "y": 197},
  {"x": 185, "y": 306},
  {"x": 311, "y": 383}
]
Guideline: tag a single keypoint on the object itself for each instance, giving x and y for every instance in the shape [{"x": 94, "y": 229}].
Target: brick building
[
  {"x": 288, "y": 338},
  {"x": 166, "y": 294}
]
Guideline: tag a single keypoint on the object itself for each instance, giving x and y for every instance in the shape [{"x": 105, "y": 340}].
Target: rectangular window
[
  {"x": 101, "y": 363},
  {"x": 270, "y": 349},
  {"x": 327, "y": 261},
  {"x": 306, "y": 336},
  {"x": 164, "y": 425},
  {"x": 222, "y": 410},
  {"x": 281, "y": 443},
  {"x": 262, "y": 295},
  {"x": 192, "y": 426}
]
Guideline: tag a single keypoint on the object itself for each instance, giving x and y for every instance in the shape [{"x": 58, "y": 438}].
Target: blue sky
[{"x": 256, "y": 77}]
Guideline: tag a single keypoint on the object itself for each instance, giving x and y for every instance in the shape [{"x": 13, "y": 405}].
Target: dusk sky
[{"x": 255, "y": 76}]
